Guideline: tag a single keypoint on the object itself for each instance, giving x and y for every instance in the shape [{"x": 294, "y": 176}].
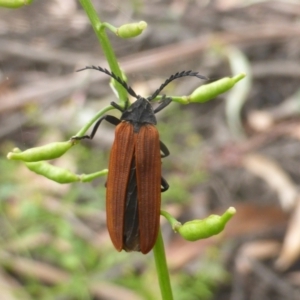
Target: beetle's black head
[{"x": 139, "y": 112}]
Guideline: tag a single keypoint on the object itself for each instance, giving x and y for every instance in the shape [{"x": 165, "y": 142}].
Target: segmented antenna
[
  {"x": 115, "y": 77},
  {"x": 175, "y": 76}
]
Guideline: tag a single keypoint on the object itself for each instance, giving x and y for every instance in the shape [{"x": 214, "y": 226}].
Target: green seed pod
[
  {"x": 201, "y": 229},
  {"x": 14, "y": 3},
  {"x": 131, "y": 30},
  {"x": 54, "y": 173},
  {"x": 211, "y": 90},
  {"x": 46, "y": 152}
]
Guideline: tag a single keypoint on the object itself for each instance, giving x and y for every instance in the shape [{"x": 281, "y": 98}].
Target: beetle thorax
[{"x": 139, "y": 112}]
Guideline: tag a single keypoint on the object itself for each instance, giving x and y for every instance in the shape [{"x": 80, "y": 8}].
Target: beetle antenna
[
  {"x": 114, "y": 76},
  {"x": 175, "y": 76}
]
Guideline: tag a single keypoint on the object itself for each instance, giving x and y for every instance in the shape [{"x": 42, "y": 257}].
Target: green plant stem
[
  {"x": 90, "y": 177},
  {"x": 162, "y": 268},
  {"x": 99, "y": 114},
  {"x": 178, "y": 99},
  {"x": 158, "y": 250},
  {"x": 174, "y": 223},
  {"x": 106, "y": 46}
]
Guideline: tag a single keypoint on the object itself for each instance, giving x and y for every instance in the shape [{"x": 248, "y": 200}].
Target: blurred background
[{"x": 241, "y": 149}]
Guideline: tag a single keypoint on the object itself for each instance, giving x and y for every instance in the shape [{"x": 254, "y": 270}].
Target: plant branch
[
  {"x": 105, "y": 45},
  {"x": 162, "y": 268}
]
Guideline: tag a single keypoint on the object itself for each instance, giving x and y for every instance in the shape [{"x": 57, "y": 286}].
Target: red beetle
[{"x": 134, "y": 182}]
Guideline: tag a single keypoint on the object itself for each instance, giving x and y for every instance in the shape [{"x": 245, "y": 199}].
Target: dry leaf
[
  {"x": 291, "y": 245},
  {"x": 274, "y": 176},
  {"x": 258, "y": 250}
]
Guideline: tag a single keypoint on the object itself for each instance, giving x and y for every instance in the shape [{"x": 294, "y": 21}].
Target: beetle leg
[
  {"x": 165, "y": 102},
  {"x": 111, "y": 119},
  {"x": 117, "y": 106},
  {"x": 163, "y": 148},
  {"x": 164, "y": 184}
]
